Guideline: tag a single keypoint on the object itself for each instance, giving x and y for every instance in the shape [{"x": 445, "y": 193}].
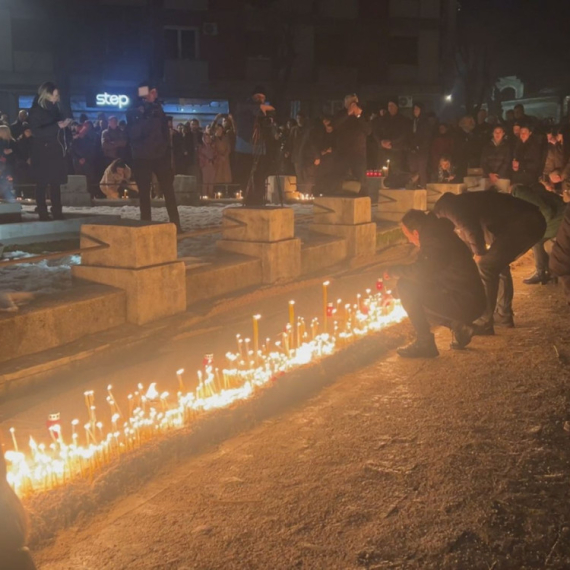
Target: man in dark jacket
[
  {"x": 442, "y": 286},
  {"x": 527, "y": 160},
  {"x": 352, "y": 130},
  {"x": 560, "y": 256},
  {"x": 17, "y": 127},
  {"x": 296, "y": 147},
  {"x": 496, "y": 157},
  {"x": 113, "y": 142},
  {"x": 393, "y": 139},
  {"x": 511, "y": 227},
  {"x": 420, "y": 144},
  {"x": 150, "y": 143},
  {"x": 552, "y": 207}
]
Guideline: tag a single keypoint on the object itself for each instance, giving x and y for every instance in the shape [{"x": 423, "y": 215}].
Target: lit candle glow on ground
[{"x": 83, "y": 451}]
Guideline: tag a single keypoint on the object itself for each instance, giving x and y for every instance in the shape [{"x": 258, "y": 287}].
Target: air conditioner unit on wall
[
  {"x": 405, "y": 101},
  {"x": 210, "y": 29}
]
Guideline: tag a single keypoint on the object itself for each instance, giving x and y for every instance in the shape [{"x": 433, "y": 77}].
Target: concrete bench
[{"x": 393, "y": 204}]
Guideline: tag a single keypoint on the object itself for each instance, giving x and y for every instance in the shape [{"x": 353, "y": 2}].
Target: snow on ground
[
  {"x": 44, "y": 277},
  {"x": 55, "y": 275}
]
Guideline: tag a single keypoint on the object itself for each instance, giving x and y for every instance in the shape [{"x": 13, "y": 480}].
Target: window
[
  {"x": 403, "y": 50},
  {"x": 180, "y": 43},
  {"x": 257, "y": 44},
  {"x": 331, "y": 49}
]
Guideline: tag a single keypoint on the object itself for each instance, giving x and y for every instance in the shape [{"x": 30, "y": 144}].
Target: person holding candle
[
  {"x": 14, "y": 527},
  {"x": 441, "y": 287}
]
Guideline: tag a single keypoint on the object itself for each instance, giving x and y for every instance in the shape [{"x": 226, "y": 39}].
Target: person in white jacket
[{"x": 116, "y": 180}]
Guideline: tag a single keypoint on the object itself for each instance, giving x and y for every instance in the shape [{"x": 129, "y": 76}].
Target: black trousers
[
  {"x": 55, "y": 197},
  {"x": 419, "y": 161},
  {"x": 494, "y": 268},
  {"x": 541, "y": 258},
  {"x": 252, "y": 182},
  {"x": 355, "y": 164},
  {"x": 143, "y": 170},
  {"x": 428, "y": 304}
]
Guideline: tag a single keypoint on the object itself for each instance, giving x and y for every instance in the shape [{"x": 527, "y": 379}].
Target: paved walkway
[{"x": 458, "y": 463}]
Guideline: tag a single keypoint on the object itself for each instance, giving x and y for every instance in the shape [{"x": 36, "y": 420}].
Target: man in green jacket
[{"x": 552, "y": 207}]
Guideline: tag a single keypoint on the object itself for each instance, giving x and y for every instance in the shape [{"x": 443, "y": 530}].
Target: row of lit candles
[{"x": 151, "y": 413}]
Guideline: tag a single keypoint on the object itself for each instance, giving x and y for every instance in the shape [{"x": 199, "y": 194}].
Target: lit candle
[
  {"x": 180, "y": 381},
  {"x": 325, "y": 304},
  {"x": 292, "y": 322},
  {"x": 256, "y": 337},
  {"x": 13, "y": 433}
]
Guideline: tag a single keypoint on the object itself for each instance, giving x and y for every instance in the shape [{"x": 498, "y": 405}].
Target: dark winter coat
[
  {"x": 17, "y": 129},
  {"x": 477, "y": 214},
  {"x": 148, "y": 131},
  {"x": 296, "y": 143},
  {"x": 551, "y": 206},
  {"x": 560, "y": 256},
  {"x": 442, "y": 145},
  {"x": 555, "y": 158},
  {"x": 529, "y": 156},
  {"x": 467, "y": 152},
  {"x": 497, "y": 159},
  {"x": 396, "y": 129},
  {"x": 421, "y": 134},
  {"x": 351, "y": 134},
  {"x": 113, "y": 143},
  {"x": 445, "y": 262},
  {"x": 49, "y": 164}
]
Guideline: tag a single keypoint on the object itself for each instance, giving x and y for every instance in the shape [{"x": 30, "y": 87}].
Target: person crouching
[
  {"x": 117, "y": 180},
  {"x": 442, "y": 287}
]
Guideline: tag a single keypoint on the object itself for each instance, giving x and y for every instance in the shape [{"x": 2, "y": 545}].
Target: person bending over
[
  {"x": 442, "y": 287},
  {"x": 511, "y": 227}
]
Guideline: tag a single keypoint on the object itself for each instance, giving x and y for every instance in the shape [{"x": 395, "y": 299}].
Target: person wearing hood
[
  {"x": 511, "y": 227},
  {"x": 393, "y": 138},
  {"x": 49, "y": 148},
  {"x": 442, "y": 287},
  {"x": 527, "y": 159}
]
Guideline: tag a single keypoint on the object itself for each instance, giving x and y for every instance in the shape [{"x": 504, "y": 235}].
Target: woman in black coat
[{"x": 49, "y": 166}]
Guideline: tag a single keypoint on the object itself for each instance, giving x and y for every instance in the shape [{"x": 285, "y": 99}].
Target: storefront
[{"x": 117, "y": 103}]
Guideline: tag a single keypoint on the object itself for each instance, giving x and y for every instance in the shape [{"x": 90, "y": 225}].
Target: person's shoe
[
  {"x": 483, "y": 329},
  {"x": 506, "y": 321},
  {"x": 421, "y": 348},
  {"x": 461, "y": 337},
  {"x": 44, "y": 217},
  {"x": 58, "y": 216},
  {"x": 539, "y": 278}
]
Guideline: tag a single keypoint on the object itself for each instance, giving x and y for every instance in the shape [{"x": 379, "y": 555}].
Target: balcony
[{"x": 185, "y": 72}]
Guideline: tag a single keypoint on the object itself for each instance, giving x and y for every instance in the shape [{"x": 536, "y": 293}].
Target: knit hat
[
  {"x": 259, "y": 90},
  {"x": 394, "y": 100}
]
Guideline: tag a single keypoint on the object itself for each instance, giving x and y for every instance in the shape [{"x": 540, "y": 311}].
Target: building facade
[{"x": 207, "y": 54}]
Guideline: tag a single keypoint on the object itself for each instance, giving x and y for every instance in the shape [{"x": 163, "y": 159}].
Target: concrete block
[
  {"x": 186, "y": 190},
  {"x": 133, "y": 244},
  {"x": 436, "y": 191},
  {"x": 347, "y": 211},
  {"x": 280, "y": 260},
  {"x": 58, "y": 319},
  {"x": 360, "y": 239},
  {"x": 75, "y": 192},
  {"x": 10, "y": 213},
  {"x": 477, "y": 183},
  {"x": 322, "y": 252},
  {"x": 152, "y": 292},
  {"x": 474, "y": 172},
  {"x": 230, "y": 273},
  {"x": 393, "y": 204},
  {"x": 263, "y": 224}
]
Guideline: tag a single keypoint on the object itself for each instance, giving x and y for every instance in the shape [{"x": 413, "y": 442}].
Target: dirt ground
[{"x": 458, "y": 463}]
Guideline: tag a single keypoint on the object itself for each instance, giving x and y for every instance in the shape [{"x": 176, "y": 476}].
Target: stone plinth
[
  {"x": 10, "y": 212},
  {"x": 330, "y": 210},
  {"x": 258, "y": 224},
  {"x": 348, "y": 218},
  {"x": 141, "y": 260},
  {"x": 186, "y": 190},
  {"x": 393, "y": 204},
  {"x": 152, "y": 292},
  {"x": 265, "y": 233},
  {"x": 75, "y": 192},
  {"x": 436, "y": 191},
  {"x": 477, "y": 183},
  {"x": 132, "y": 244}
]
